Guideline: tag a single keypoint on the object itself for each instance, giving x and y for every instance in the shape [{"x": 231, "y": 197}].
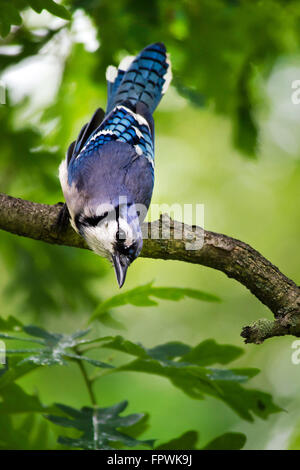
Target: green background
[{"x": 226, "y": 136}]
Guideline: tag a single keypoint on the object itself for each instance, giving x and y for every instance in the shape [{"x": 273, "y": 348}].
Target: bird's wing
[
  {"x": 124, "y": 124},
  {"x": 86, "y": 131}
]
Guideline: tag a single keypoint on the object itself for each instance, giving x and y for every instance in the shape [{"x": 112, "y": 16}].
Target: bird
[{"x": 107, "y": 176}]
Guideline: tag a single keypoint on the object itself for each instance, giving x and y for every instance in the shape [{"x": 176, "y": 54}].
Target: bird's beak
[{"x": 120, "y": 264}]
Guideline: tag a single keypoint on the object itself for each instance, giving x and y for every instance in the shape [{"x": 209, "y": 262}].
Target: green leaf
[
  {"x": 186, "y": 441},
  {"x": 99, "y": 426},
  {"x": 16, "y": 400},
  {"x": 199, "y": 381},
  {"x": 19, "y": 338},
  {"x": 141, "y": 297},
  {"x": 10, "y": 324},
  {"x": 51, "y": 7},
  {"x": 30, "y": 434},
  {"x": 164, "y": 351},
  {"x": 248, "y": 402},
  {"x": 236, "y": 375},
  {"x": 169, "y": 350},
  {"x": 138, "y": 428},
  {"x": 94, "y": 362},
  {"x": 13, "y": 370},
  {"x": 57, "y": 10},
  {"x": 57, "y": 347},
  {"x": 36, "y": 5},
  {"x": 123, "y": 345},
  {"x": 9, "y": 16},
  {"x": 245, "y": 128},
  {"x": 228, "y": 441},
  {"x": 175, "y": 361},
  {"x": 209, "y": 352}
]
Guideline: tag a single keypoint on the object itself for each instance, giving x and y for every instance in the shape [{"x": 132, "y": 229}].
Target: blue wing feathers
[
  {"x": 122, "y": 125},
  {"x": 134, "y": 91}
]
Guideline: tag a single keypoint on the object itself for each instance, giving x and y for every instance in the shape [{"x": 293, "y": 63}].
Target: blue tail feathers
[{"x": 143, "y": 78}]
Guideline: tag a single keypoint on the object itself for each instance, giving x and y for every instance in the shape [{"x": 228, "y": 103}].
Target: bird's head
[{"x": 112, "y": 232}]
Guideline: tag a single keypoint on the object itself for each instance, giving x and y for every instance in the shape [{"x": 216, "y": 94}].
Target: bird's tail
[{"x": 144, "y": 78}]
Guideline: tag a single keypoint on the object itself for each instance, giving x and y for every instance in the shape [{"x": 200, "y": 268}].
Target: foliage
[
  {"x": 27, "y": 435},
  {"x": 188, "y": 441},
  {"x": 234, "y": 24},
  {"x": 232, "y": 440},
  {"x": 10, "y": 12},
  {"x": 188, "y": 368},
  {"x": 55, "y": 348},
  {"x": 141, "y": 297},
  {"x": 99, "y": 426},
  {"x": 197, "y": 381},
  {"x": 223, "y": 53}
]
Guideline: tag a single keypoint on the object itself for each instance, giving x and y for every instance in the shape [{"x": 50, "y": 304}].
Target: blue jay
[{"x": 107, "y": 176}]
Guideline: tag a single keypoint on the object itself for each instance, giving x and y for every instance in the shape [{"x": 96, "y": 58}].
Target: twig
[{"x": 88, "y": 382}]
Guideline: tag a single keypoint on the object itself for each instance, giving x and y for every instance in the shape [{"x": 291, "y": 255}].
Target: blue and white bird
[{"x": 108, "y": 175}]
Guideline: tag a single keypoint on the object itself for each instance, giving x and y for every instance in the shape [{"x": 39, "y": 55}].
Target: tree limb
[{"x": 233, "y": 257}]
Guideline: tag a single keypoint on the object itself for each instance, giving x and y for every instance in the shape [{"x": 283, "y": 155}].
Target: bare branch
[{"x": 233, "y": 257}]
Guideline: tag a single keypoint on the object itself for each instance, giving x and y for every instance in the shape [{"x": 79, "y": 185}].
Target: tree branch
[{"x": 233, "y": 257}]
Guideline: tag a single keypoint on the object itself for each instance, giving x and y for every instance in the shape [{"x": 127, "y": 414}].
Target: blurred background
[{"x": 226, "y": 136}]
